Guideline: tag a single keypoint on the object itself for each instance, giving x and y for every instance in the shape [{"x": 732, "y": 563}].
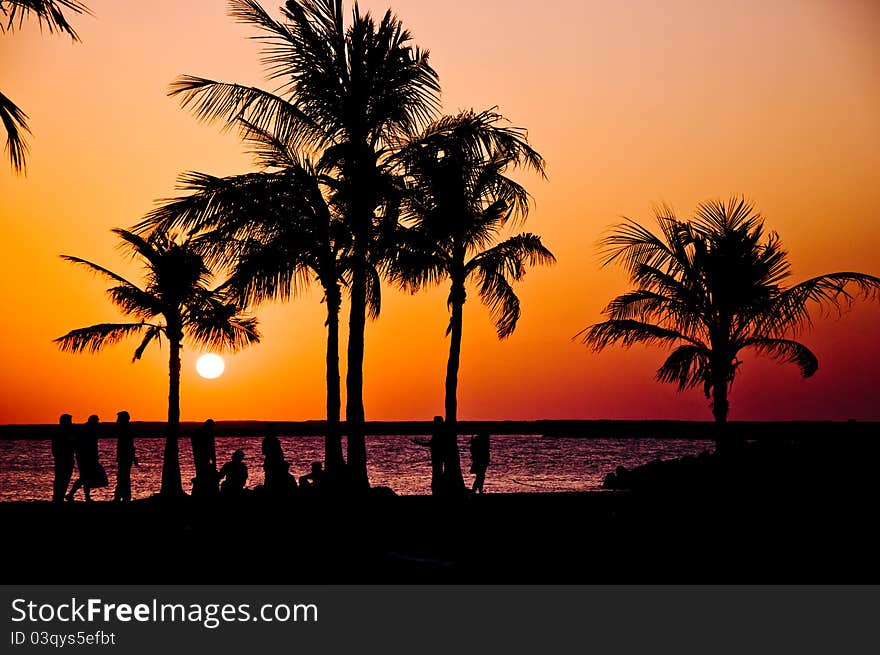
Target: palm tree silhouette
[
  {"x": 49, "y": 14},
  {"x": 354, "y": 92},
  {"x": 177, "y": 294},
  {"x": 275, "y": 230},
  {"x": 712, "y": 287},
  {"x": 457, "y": 199}
]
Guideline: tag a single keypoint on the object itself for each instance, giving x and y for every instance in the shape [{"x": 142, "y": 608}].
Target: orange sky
[{"x": 630, "y": 102}]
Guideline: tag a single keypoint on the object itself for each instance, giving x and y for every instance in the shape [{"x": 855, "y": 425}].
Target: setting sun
[{"x": 210, "y": 366}]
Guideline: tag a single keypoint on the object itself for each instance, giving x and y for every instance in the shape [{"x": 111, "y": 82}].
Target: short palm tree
[
  {"x": 275, "y": 231},
  {"x": 351, "y": 93},
  {"x": 176, "y": 302},
  {"x": 457, "y": 201},
  {"x": 49, "y": 14},
  {"x": 710, "y": 288}
]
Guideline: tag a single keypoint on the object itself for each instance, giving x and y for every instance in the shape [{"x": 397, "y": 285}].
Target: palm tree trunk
[
  {"x": 354, "y": 377},
  {"x": 720, "y": 406},
  {"x": 360, "y": 218},
  {"x": 452, "y": 465},
  {"x": 724, "y": 441},
  {"x": 171, "y": 484},
  {"x": 333, "y": 460}
]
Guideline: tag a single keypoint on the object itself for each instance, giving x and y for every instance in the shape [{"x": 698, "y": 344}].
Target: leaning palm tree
[
  {"x": 275, "y": 231},
  {"x": 48, "y": 14},
  {"x": 711, "y": 288},
  {"x": 176, "y": 302},
  {"x": 350, "y": 93},
  {"x": 457, "y": 200}
]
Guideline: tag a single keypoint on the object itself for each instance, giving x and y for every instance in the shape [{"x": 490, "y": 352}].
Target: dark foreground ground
[
  {"x": 785, "y": 510},
  {"x": 669, "y": 536}
]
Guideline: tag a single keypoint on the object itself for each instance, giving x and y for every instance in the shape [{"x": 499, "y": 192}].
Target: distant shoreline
[{"x": 588, "y": 429}]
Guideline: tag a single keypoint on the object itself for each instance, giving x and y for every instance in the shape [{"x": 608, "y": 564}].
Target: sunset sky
[{"x": 631, "y": 103}]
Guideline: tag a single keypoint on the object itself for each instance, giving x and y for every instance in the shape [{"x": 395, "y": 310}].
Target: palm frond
[
  {"x": 634, "y": 245},
  {"x": 511, "y": 257},
  {"x": 418, "y": 261},
  {"x": 786, "y": 351},
  {"x": 687, "y": 366},
  {"x": 138, "y": 246},
  {"x": 47, "y": 13},
  {"x": 95, "y": 268},
  {"x": 498, "y": 295},
  {"x": 154, "y": 332},
  {"x": 95, "y": 337},
  {"x": 134, "y": 301},
  {"x": 218, "y": 325},
  {"x": 272, "y": 270},
  {"x": 835, "y": 291},
  {"x": 15, "y": 122},
  {"x": 250, "y": 108},
  {"x": 628, "y": 333},
  {"x": 374, "y": 293}
]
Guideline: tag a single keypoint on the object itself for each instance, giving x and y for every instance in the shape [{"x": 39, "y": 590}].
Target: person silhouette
[
  {"x": 125, "y": 457},
  {"x": 479, "y": 447},
  {"x": 204, "y": 484},
  {"x": 234, "y": 475},
  {"x": 62, "y": 454},
  {"x": 91, "y": 473},
  {"x": 437, "y": 445},
  {"x": 314, "y": 479},
  {"x": 276, "y": 469}
]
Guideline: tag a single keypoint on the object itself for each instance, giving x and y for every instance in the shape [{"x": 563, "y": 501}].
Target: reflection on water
[{"x": 519, "y": 463}]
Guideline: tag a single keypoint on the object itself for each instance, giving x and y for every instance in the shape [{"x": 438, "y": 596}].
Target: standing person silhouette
[
  {"x": 479, "y": 447},
  {"x": 62, "y": 453},
  {"x": 437, "y": 445},
  {"x": 205, "y": 461},
  {"x": 91, "y": 473},
  {"x": 125, "y": 457}
]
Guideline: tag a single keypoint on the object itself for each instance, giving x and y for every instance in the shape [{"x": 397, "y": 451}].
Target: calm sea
[{"x": 519, "y": 463}]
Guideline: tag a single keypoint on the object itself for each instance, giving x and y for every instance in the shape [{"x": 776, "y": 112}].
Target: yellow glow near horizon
[{"x": 210, "y": 366}]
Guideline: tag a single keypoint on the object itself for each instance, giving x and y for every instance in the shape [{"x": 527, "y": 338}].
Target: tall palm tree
[
  {"x": 49, "y": 14},
  {"x": 350, "y": 92},
  {"x": 275, "y": 230},
  {"x": 175, "y": 302},
  {"x": 710, "y": 288},
  {"x": 457, "y": 200}
]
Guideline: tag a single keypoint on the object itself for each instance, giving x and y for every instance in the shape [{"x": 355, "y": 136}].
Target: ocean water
[{"x": 519, "y": 463}]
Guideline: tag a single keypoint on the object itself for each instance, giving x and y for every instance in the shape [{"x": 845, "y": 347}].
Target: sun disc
[{"x": 210, "y": 366}]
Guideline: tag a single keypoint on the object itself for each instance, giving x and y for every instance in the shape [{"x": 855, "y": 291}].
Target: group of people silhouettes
[
  {"x": 232, "y": 477},
  {"x": 78, "y": 445}
]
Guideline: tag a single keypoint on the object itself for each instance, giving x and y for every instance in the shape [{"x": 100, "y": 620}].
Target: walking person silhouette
[
  {"x": 204, "y": 485},
  {"x": 479, "y": 447},
  {"x": 62, "y": 453},
  {"x": 125, "y": 457},
  {"x": 91, "y": 473},
  {"x": 438, "y": 445}
]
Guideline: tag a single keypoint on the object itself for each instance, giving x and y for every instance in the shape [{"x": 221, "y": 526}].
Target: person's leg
[
  {"x": 57, "y": 490},
  {"x": 87, "y": 492},
  {"x": 74, "y": 488},
  {"x": 123, "y": 484}
]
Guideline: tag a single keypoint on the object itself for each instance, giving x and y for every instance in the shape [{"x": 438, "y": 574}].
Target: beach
[{"x": 792, "y": 509}]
